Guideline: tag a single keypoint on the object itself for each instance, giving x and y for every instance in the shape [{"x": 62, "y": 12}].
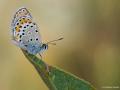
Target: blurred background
[{"x": 90, "y": 49}]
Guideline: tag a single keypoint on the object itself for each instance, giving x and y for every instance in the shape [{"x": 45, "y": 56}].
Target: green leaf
[{"x": 57, "y": 79}]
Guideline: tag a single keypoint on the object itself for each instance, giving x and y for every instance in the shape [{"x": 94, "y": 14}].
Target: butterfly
[{"x": 25, "y": 33}]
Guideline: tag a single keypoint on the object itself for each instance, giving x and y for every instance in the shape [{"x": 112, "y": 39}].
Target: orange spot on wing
[
  {"x": 21, "y": 21},
  {"x": 30, "y": 22},
  {"x": 25, "y": 21},
  {"x": 17, "y": 29}
]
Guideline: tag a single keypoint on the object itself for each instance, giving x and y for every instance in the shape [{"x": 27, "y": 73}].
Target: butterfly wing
[
  {"x": 21, "y": 12},
  {"x": 24, "y": 30}
]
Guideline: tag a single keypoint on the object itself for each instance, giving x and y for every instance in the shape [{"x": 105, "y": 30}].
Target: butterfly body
[
  {"x": 36, "y": 48},
  {"x": 25, "y": 32}
]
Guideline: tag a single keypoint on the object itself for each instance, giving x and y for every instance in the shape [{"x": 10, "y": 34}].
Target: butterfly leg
[
  {"x": 47, "y": 67},
  {"x": 40, "y": 55}
]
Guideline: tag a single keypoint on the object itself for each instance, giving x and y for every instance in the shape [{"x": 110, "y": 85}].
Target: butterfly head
[{"x": 44, "y": 46}]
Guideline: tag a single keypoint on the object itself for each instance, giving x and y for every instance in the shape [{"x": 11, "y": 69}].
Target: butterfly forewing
[{"x": 21, "y": 12}]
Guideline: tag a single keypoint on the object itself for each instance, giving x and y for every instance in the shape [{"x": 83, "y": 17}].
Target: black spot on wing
[
  {"x": 36, "y": 39},
  {"x": 24, "y": 26},
  {"x": 20, "y": 40},
  {"x": 31, "y": 26},
  {"x": 23, "y": 33},
  {"x": 17, "y": 23},
  {"x": 25, "y": 45},
  {"x": 20, "y": 36},
  {"x": 36, "y": 30}
]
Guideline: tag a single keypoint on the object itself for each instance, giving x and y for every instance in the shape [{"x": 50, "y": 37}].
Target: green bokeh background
[{"x": 90, "y": 49}]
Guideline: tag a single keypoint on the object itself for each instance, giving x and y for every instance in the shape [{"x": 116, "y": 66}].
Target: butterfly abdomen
[{"x": 36, "y": 48}]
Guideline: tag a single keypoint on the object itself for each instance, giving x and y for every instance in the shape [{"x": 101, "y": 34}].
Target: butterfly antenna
[{"x": 53, "y": 41}]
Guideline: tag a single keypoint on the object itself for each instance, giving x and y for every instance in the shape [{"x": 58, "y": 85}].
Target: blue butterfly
[{"x": 25, "y": 33}]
